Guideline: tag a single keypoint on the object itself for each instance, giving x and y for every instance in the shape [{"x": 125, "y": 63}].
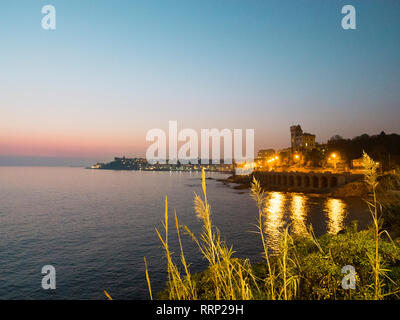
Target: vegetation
[
  {"x": 384, "y": 148},
  {"x": 304, "y": 268}
]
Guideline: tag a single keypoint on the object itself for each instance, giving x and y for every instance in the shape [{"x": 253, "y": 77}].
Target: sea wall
[{"x": 315, "y": 182}]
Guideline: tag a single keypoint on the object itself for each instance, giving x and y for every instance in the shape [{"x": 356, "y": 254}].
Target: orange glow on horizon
[{"x": 57, "y": 145}]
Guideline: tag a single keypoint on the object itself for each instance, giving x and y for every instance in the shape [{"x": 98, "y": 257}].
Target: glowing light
[
  {"x": 299, "y": 212},
  {"x": 274, "y": 222},
  {"x": 336, "y": 211}
]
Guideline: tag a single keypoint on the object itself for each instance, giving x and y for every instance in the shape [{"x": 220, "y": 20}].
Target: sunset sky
[{"x": 112, "y": 70}]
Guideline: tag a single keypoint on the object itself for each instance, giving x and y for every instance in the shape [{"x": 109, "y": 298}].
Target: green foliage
[
  {"x": 391, "y": 220},
  {"x": 384, "y": 148},
  {"x": 319, "y": 272}
]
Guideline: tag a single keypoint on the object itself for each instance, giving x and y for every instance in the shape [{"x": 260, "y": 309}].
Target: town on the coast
[{"x": 303, "y": 155}]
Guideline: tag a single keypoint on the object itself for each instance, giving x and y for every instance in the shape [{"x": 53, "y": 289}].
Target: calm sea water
[{"x": 95, "y": 227}]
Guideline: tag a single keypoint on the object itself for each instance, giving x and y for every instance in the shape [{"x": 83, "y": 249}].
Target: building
[
  {"x": 265, "y": 154},
  {"x": 357, "y": 163},
  {"x": 263, "y": 157},
  {"x": 301, "y": 140}
]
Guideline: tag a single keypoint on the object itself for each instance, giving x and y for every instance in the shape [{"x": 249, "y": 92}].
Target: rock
[{"x": 352, "y": 189}]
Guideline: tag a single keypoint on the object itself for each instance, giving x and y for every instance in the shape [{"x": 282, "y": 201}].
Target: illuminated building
[{"x": 301, "y": 140}]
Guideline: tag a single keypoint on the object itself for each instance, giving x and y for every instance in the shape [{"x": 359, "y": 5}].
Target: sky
[{"x": 112, "y": 70}]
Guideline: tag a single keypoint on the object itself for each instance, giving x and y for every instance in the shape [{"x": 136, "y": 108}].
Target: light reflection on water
[
  {"x": 273, "y": 211},
  {"x": 299, "y": 210},
  {"x": 336, "y": 211},
  {"x": 297, "y": 207}
]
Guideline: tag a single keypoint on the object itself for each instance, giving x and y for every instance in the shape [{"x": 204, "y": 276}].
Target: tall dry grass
[
  {"x": 371, "y": 179},
  {"x": 258, "y": 196},
  {"x": 235, "y": 279},
  {"x": 279, "y": 283},
  {"x": 231, "y": 277},
  {"x": 180, "y": 287}
]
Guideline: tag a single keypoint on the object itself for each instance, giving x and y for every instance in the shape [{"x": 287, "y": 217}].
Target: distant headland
[{"x": 123, "y": 163}]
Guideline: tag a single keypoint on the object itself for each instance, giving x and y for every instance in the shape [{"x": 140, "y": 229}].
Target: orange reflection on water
[
  {"x": 336, "y": 211},
  {"x": 299, "y": 211},
  {"x": 273, "y": 219}
]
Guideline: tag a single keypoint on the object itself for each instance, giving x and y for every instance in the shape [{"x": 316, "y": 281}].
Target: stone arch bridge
[{"x": 304, "y": 181}]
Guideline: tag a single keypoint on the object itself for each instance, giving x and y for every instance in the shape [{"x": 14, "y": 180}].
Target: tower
[{"x": 295, "y": 133}]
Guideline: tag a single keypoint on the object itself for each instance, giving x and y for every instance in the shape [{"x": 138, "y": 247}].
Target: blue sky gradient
[{"x": 114, "y": 69}]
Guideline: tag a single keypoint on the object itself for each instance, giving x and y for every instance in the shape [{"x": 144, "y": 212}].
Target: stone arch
[
  {"x": 298, "y": 181},
  {"x": 279, "y": 179},
  {"x": 306, "y": 181},
  {"x": 334, "y": 182},
  {"x": 324, "y": 182},
  {"x": 291, "y": 181},
  {"x": 265, "y": 179},
  {"x": 315, "y": 182},
  {"x": 284, "y": 180}
]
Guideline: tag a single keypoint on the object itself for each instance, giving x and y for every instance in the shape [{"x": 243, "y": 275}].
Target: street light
[{"x": 333, "y": 156}]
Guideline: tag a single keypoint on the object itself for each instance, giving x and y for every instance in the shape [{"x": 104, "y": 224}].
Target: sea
[{"x": 95, "y": 227}]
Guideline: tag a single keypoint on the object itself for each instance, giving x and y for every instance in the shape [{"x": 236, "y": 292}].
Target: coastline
[{"x": 355, "y": 189}]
